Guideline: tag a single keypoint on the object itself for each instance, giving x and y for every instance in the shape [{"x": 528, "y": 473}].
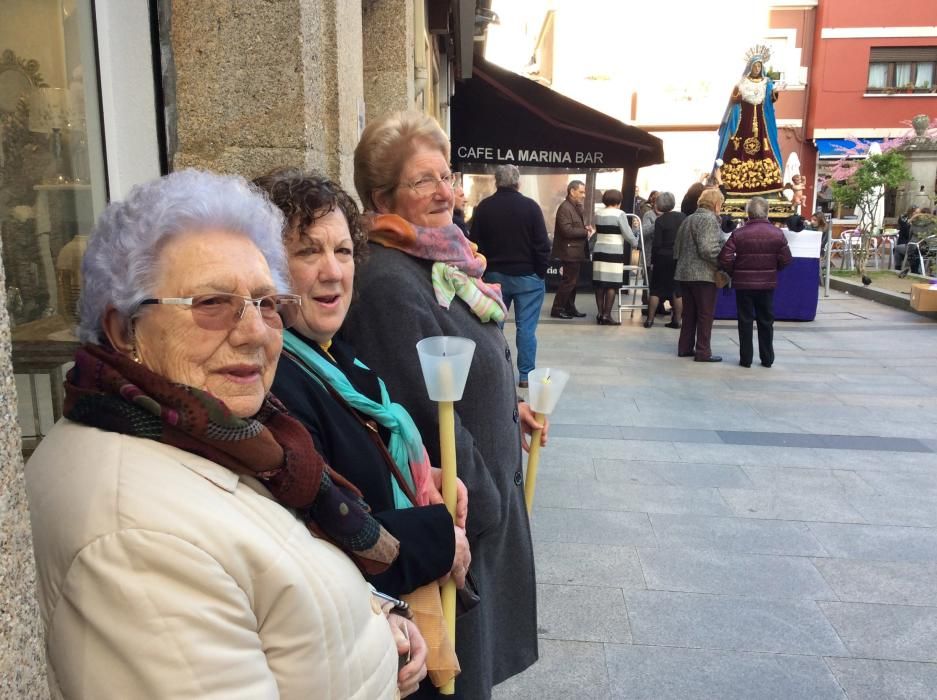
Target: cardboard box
[{"x": 924, "y": 297}]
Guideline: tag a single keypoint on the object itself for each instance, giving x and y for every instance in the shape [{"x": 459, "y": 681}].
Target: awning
[
  {"x": 501, "y": 117},
  {"x": 836, "y": 148}
]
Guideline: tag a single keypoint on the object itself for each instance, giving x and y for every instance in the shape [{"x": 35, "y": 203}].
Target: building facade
[{"x": 97, "y": 96}]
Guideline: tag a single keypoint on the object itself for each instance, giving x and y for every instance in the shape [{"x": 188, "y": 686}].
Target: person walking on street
[
  {"x": 753, "y": 255},
  {"x": 696, "y": 249},
  {"x": 570, "y": 234},
  {"x": 510, "y": 232}
]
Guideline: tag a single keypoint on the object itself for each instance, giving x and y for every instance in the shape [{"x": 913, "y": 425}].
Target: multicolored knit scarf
[
  {"x": 109, "y": 391},
  {"x": 458, "y": 265}
]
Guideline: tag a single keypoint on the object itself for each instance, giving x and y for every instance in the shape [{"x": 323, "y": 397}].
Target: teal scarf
[{"x": 405, "y": 444}]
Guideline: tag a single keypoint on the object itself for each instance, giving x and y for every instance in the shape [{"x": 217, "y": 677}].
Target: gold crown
[{"x": 758, "y": 53}]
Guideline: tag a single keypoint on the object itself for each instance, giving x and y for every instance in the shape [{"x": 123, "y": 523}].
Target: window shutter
[{"x": 886, "y": 54}]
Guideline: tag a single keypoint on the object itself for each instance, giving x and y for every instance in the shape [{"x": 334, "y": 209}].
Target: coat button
[
  {"x": 516, "y": 414},
  {"x": 518, "y": 478},
  {"x": 507, "y": 354}
]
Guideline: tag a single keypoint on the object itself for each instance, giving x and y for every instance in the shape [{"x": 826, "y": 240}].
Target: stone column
[
  {"x": 265, "y": 84},
  {"x": 388, "y": 56},
  {"x": 22, "y": 663}
]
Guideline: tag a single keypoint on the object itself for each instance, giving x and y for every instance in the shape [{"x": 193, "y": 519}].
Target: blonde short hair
[
  {"x": 385, "y": 146},
  {"x": 710, "y": 199}
]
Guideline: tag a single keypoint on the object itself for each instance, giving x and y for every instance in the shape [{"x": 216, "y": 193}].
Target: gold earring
[{"x": 134, "y": 356}]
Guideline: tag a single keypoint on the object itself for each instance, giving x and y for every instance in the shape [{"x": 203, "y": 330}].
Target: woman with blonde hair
[{"x": 424, "y": 278}]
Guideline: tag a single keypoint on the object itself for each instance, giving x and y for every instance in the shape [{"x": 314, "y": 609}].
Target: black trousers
[
  {"x": 755, "y": 305},
  {"x": 565, "y": 299}
]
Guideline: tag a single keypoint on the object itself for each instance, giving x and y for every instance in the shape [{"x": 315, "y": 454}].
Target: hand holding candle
[{"x": 546, "y": 386}]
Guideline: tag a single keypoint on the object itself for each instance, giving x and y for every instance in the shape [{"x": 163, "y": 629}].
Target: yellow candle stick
[
  {"x": 448, "y": 465},
  {"x": 533, "y": 459}
]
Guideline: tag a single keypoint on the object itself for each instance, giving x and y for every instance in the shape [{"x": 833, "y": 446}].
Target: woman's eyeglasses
[
  {"x": 220, "y": 311},
  {"x": 429, "y": 185}
]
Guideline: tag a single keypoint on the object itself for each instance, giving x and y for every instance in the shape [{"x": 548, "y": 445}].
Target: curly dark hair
[{"x": 305, "y": 197}]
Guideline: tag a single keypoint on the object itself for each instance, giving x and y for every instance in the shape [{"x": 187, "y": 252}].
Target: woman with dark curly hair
[{"x": 363, "y": 435}]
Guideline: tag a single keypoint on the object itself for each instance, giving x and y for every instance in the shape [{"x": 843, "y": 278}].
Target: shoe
[
  {"x": 745, "y": 364},
  {"x": 685, "y": 354},
  {"x": 649, "y": 323},
  {"x": 768, "y": 365},
  {"x": 600, "y": 320},
  {"x": 560, "y": 314},
  {"x": 711, "y": 358},
  {"x": 523, "y": 384},
  {"x": 609, "y": 321},
  {"x": 672, "y": 325},
  {"x": 576, "y": 313}
]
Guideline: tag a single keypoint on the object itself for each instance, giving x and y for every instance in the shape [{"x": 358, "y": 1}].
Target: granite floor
[{"x": 711, "y": 531}]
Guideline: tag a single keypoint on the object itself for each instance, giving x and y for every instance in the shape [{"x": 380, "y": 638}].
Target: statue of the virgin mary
[{"x": 748, "y": 135}]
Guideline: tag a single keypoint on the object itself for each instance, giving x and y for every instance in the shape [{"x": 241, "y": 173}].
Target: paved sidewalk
[{"x": 710, "y": 531}]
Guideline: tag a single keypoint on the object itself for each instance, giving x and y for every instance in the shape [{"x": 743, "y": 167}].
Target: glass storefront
[
  {"x": 52, "y": 187},
  {"x": 52, "y": 182}
]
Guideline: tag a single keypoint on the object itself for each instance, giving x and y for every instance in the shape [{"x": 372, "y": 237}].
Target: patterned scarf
[
  {"x": 458, "y": 266},
  {"x": 109, "y": 391},
  {"x": 405, "y": 445}
]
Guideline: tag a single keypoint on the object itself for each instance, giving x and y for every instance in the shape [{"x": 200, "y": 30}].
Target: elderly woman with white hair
[{"x": 190, "y": 541}]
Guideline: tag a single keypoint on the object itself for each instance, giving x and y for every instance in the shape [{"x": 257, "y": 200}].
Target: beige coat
[{"x": 165, "y": 575}]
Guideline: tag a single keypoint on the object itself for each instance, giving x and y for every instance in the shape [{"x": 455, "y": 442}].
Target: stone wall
[
  {"x": 22, "y": 665},
  {"x": 259, "y": 85}
]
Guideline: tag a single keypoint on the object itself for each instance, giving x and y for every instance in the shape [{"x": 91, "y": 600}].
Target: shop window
[
  {"x": 902, "y": 70},
  {"x": 52, "y": 185}
]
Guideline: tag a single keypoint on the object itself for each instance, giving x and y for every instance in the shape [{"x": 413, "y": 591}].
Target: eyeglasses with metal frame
[{"x": 220, "y": 311}]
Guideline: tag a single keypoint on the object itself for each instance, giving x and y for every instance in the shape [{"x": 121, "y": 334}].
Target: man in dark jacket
[
  {"x": 753, "y": 255},
  {"x": 511, "y": 233},
  {"x": 569, "y": 247}
]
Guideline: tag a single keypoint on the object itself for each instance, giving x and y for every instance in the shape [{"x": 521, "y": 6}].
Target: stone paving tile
[
  {"x": 901, "y": 583},
  {"x": 555, "y": 493},
  {"x": 713, "y": 571},
  {"x": 897, "y": 510},
  {"x": 652, "y": 499},
  {"x": 582, "y": 613},
  {"x": 727, "y": 622},
  {"x": 593, "y": 432},
  {"x": 562, "y": 466},
  {"x": 872, "y": 679},
  {"x": 778, "y": 505},
  {"x": 654, "y": 451},
  {"x": 919, "y": 484},
  {"x": 671, "y": 474},
  {"x": 901, "y": 633},
  {"x": 581, "y": 564},
  {"x": 664, "y": 673},
  {"x": 565, "y": 670},
  {"x": 800, "y": 479},
  {"x": 593, "y": 527},
  {"x": 669, "y": 434},
  {"x": 876, "y": 542},
  {"x": 740, "y": 535}
]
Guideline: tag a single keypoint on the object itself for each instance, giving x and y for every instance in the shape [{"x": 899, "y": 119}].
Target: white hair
[
  {"x": 757, "y": 208},
  {"x": 120, "y": 264},
  {"x": 507, "y": 176}
]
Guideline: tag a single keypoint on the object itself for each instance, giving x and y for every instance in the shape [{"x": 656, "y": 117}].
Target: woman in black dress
[{"x": 662, "y": 282}]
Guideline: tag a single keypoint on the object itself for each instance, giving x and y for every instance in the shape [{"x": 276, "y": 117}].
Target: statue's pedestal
[
  {"x": 779, "y": 209},
  {"x": 922, "y": 162}
]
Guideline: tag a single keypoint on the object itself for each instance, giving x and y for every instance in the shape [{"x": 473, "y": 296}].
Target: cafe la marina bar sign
[
  {"x": 529, "y": 156},
  {"x": 501, "y": 117}
]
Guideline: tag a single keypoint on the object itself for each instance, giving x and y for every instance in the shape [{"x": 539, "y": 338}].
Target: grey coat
[
  {"x": 395, "y": 308},
  {"x": 699, "y": 240}
]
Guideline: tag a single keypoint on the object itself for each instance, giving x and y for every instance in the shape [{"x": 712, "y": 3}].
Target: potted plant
[
  {"x": 909, "y": 87},
  {"x": 889, "y": 91}
]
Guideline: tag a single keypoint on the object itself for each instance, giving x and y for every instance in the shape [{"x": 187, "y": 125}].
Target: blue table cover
[{"x": 795, "y": 298}]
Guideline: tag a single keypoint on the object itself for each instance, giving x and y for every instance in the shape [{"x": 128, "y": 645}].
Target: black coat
[
  {"x": 427, "y": 541},
  {"x": 511, "y": 233}
]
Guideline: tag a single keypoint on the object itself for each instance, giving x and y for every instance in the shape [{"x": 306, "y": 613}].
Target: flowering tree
[{"x": 861, "y": 185}]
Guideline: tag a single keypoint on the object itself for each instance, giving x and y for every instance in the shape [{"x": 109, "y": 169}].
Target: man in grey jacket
[{"x": 696, "y": 249}]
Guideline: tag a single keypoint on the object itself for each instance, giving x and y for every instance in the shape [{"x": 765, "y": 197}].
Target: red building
[{"x": 873, "y": 66}]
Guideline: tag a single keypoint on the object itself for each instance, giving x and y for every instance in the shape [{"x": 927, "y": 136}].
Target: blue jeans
[{"x": 526, "y": 292}]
